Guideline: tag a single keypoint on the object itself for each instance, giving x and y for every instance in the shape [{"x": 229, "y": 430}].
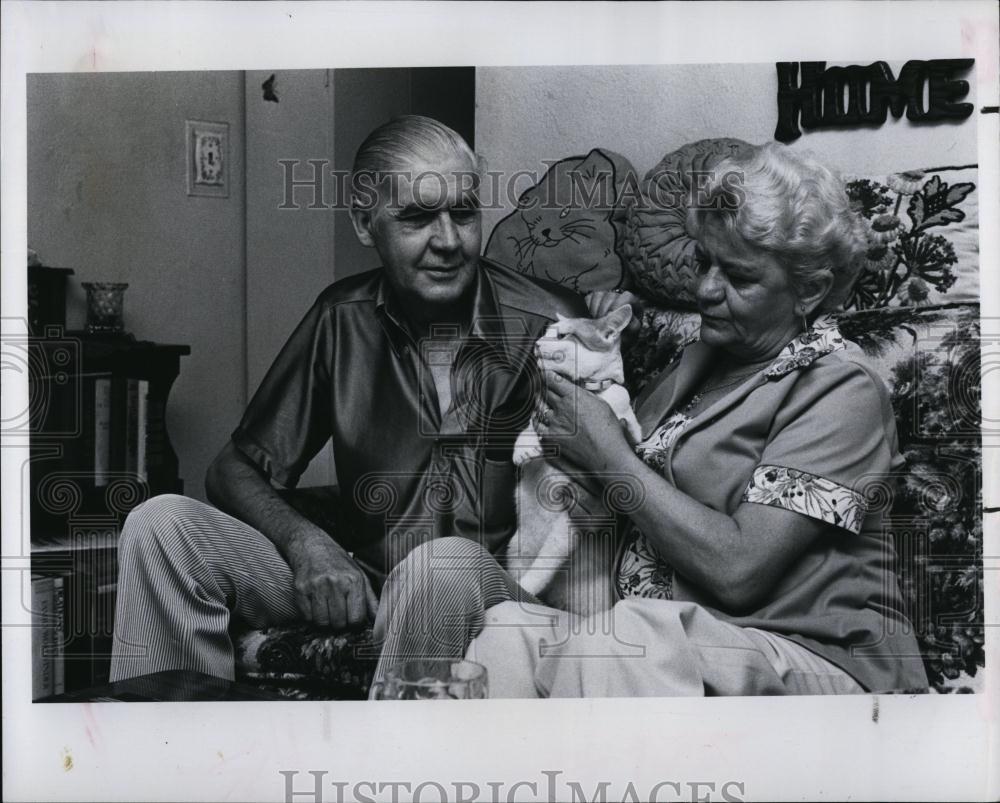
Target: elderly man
[{"x": 420, "y": 372}]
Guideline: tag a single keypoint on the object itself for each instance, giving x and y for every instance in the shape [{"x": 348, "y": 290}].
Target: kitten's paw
[
  {"x": 632, "y": 427},
  {"x": 527, "y": 447},
  {"x": 522, "y": 454}
]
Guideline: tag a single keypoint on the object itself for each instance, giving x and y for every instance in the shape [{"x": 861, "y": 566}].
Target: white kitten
[
  {"x": 587, "y": 351},
  {"x": 562, "y": 532}
]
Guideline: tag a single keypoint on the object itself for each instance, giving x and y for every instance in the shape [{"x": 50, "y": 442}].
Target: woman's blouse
[
  {"x": 641, "y": 571},
  {"x": 813, "y": 433}
]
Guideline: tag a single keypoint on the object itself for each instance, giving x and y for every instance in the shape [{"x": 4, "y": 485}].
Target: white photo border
[{"x": 864, "y": 747}]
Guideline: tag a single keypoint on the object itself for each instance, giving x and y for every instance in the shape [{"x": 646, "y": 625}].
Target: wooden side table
[{"x": 99, "y": 447}]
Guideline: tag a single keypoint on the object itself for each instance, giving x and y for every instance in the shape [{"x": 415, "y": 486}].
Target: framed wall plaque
[{"x": 208, "y": 159}]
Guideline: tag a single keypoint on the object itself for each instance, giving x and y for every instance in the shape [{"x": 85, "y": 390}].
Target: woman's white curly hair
[{"x": 790, "y": 206}]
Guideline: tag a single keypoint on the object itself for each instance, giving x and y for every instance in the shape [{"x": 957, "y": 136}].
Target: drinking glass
[{"x": 433, "y": 679}]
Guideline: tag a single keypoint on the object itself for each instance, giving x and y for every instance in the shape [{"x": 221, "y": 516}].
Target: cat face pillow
[{"x": 566, "y": 228}]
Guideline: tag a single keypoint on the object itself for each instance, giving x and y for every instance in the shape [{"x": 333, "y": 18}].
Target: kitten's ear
[
  {"x": 618, "y": 319},
  {"x": 563, "y": 325}
]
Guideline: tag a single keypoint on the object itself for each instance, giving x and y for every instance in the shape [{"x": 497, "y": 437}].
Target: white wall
[
  {"x": 107, "y": 196},
  {"x": 527, "y": 114},
  {"x": 289, "y": 252}
]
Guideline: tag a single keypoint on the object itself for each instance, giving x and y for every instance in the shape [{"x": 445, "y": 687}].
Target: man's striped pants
[{"x": 186, "y": 569}]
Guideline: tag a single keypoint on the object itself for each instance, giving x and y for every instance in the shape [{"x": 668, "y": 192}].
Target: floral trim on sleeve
[{"x": 808, "y": 494}]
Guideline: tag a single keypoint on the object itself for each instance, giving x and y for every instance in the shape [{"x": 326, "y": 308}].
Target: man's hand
[{"x": 330, "y": 588}]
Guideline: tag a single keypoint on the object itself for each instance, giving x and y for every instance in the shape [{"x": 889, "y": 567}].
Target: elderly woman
[{"x": 752, "y": 565}]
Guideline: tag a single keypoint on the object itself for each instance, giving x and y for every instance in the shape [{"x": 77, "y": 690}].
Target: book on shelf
[
  {"x": 102, "y": 630},
  {"x": 58, "y": 646},
  {"x": 135, "y": 423},
  {"x": 156, "y": 439},
  {"x": 102, "y": 430},
  {"x": 70, "y": 443},
  {"x": 118, "y": 439},
  {"x": 90, "y": 598},
  {"x": 141, "y": 426},
  {"x": 74, "y": 411},
  {"x": 48, "y": 670},
  {"x": 131, "y": 425}
]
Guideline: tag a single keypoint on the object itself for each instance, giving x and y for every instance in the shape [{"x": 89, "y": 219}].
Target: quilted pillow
[
  {"x": 658, "y": 253},
  {"x": 566, "y": 228},
  {"x": 923, "y": 230}
]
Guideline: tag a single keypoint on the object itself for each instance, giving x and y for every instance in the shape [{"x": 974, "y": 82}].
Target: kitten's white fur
[{"x": 546, "y": 544}]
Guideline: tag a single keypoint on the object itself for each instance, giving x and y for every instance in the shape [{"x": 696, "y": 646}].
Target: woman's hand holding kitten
[{"x": 601, "y": 302}]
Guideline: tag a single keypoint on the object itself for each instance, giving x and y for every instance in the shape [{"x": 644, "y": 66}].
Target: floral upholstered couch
[{"x": 914, "y": 311}]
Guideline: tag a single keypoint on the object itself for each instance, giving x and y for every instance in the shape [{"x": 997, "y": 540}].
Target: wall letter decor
[{"x": 817, "y": 99}]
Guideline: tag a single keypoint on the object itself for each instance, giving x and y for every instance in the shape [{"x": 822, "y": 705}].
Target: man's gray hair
[{"x": 408, "y": 139}]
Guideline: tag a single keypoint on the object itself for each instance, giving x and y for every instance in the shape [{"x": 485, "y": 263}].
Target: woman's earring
[{"x": 805, "y": 322}]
